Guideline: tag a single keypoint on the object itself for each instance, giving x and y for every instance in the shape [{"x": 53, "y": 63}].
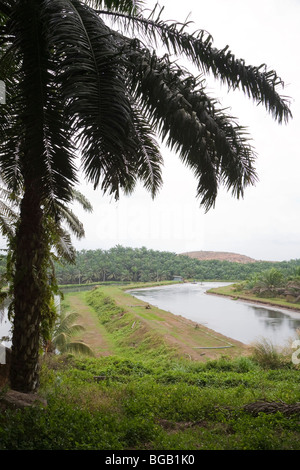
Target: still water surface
[
  {"x": 242, "y": 321},
  {"x": 236, "y": 319}
]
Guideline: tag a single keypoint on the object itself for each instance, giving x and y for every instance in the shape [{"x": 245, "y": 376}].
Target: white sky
[{"x": 265, "y": 224}]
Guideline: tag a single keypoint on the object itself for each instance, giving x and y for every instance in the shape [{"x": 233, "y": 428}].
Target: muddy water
[{"x": 242, "y": 321}]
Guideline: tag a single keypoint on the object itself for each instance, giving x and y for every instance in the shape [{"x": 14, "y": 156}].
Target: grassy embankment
[
  {"x": 144, "y": 390},
  {"x": 233, "y": 292}
]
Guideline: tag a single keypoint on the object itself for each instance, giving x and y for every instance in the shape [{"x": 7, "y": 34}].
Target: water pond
[{"x": 242, "y": 321}]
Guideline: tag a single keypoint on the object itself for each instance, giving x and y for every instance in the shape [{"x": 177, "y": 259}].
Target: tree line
[
  {"x": 274, "y": 282},
  {"x": 126, "y": 264}
]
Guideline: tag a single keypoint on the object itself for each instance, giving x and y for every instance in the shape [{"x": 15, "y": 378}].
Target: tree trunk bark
[{"x": 28, "y": 287}]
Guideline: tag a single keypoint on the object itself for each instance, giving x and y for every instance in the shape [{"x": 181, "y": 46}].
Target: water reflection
[{"x": 239, "y": 320}]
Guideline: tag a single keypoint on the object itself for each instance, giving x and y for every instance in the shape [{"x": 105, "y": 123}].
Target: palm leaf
[
  {"x": 77, "y": 196},
  {"x": 67, "y": 329},
  {"x": 35, "y": 130},
  {"x": 147, "y": 160},
  {"x": 78, "y": 347},
  {"x": 124, "y": 6},
  {"x": 93, "y": 87},
  {"x": 206, "y": 138},
  {"x": 64, "y": 247},
  {"x": 258, "y": 83}
]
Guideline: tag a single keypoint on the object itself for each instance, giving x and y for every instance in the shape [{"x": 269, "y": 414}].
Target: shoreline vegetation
[
  {"x": 147, "y": 388},
  {"x": 234, "y": 293}
]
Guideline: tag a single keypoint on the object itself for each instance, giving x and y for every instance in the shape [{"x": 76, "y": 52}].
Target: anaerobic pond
[{"x": 242, "y": 321}]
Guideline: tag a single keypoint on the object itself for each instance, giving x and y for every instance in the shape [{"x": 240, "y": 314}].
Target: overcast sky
[{"x": 265, "y": 224}]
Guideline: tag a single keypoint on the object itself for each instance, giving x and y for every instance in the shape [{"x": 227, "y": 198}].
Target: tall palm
[
  {"x": 60, "y": 243},
  {"x": 74, "y": 82}
]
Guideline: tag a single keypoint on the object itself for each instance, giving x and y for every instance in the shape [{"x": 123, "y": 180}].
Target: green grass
[
  {"x": 131, "y": 324},
  {"x": 144, "y": 398},
  {"x": 130, "y": 337},
  {"x": 150, "y": 404}
]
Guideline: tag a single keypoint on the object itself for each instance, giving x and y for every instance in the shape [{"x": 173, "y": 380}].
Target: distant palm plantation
[
  {"x": 125, "y": 264},
  {"x": 78, "y": 86}
]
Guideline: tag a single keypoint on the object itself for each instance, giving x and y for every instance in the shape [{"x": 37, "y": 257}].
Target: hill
[{"x": 219, "y": 255}]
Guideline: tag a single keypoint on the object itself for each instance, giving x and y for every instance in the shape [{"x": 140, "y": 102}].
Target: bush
[{"x": 267, "y": 355}]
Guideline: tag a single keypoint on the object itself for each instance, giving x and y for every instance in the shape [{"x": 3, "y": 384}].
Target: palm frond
[
  {"x": 258, "y": 83},
  {"x": 9, "y": 210},
  {"x": 11, "y": 129},
  {"x": 66, "y": 324},
  {"x": 64, "y": 247},
  {"x": 65, "y": 330},
  {"x": 147, "y": 160},
  {"x": 67, "y": 216},
  {"x": 92, "y": 83},
  {"x": 111, "y": 137},
  {"x": 206, "y": 138},
  {"x": 124, "y": 6},
  {"x": 36, "y": 130},
  {"x": 77, "y": 196},
  {"x": 78, "y": 347},
  {"x": 6, "y": 7}
]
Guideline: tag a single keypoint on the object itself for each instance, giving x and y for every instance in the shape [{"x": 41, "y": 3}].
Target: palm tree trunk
[{"x": 29, "y": 282}]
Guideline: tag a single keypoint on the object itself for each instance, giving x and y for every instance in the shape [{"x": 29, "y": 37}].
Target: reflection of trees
[{"x": 274, "y": 319}]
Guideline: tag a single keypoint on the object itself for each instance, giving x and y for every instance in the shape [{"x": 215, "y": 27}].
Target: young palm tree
[
  {"x": 74, "y": 82},
  {"x": 63, "y": 337}
]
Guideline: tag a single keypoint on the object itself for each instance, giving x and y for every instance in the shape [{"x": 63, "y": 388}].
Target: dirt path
[{"x": 94, "y": 335}]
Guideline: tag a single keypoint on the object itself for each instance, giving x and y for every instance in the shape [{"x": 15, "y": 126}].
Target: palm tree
[
  {"x": 63, "y": 337},
  {"x": 269, "y": 280},
  {"x": 61, "y": 238},
  {"x": 62, "y": 249},
  {"x": 66, "y": 217},
  {"x": 76, "y": 83},
  {"x": 8, "y": 211}
]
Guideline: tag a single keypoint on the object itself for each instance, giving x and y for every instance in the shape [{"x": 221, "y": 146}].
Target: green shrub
[{"x": 266, "y": 354}]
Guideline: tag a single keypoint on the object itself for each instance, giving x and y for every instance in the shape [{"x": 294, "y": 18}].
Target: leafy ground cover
[{"x": 147, "y": 397}]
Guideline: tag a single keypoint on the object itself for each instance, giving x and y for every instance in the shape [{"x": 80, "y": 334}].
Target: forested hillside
[{"x": 144, "y": 265}]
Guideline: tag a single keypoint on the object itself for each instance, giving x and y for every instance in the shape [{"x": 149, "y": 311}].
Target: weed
[{"x": 266, "y": 354}]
